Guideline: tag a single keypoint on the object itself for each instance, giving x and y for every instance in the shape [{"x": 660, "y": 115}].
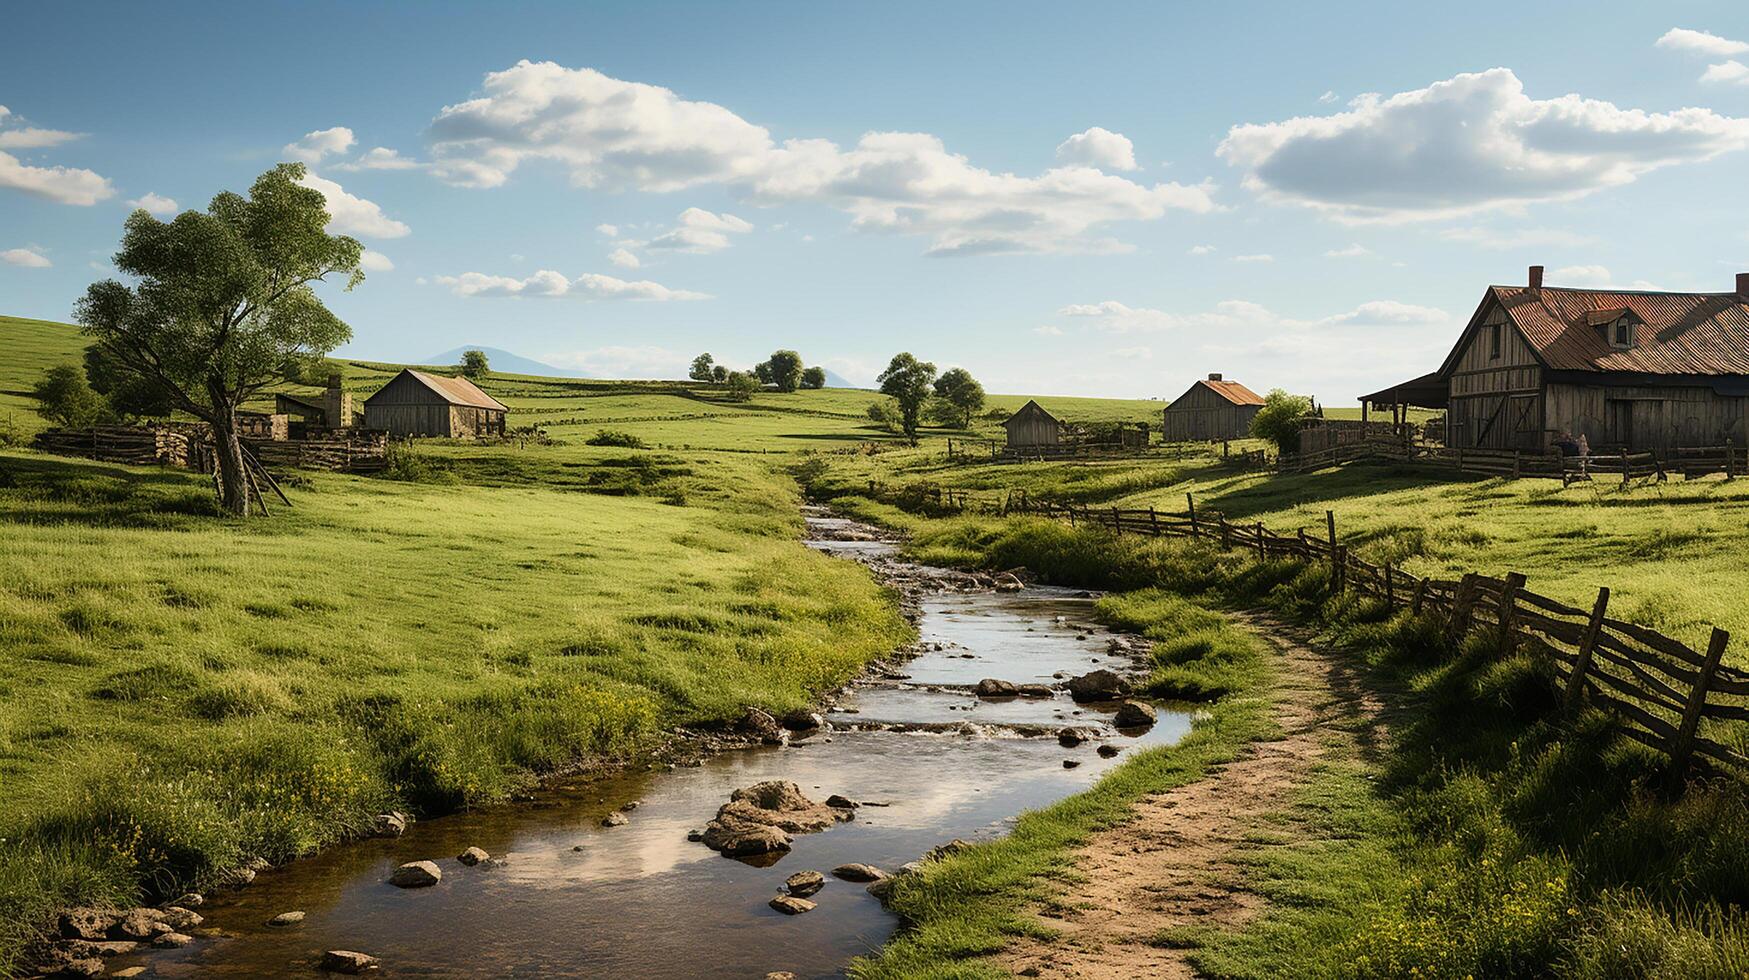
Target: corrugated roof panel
[{"x": 1682, "y": 333}]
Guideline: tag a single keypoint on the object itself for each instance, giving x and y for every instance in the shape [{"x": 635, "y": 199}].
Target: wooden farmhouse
[
  {"x": 1636, "y": 370},
  {"x": 1212, "y": 409},
  {"x": 414, "y": 403},
  {"x": 1032, "y": 428}
]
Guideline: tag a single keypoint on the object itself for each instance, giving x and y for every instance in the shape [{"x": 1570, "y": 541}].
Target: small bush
[{"x": 612, "y": 437}]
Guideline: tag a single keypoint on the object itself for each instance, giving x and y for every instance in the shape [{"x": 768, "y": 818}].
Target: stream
[{"x": 573, "y": 898}]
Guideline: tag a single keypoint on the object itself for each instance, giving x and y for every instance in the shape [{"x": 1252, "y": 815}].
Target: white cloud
[
  {"x": 1581, "y": 275},
  {"x": 25, "y": 257},
  {"x": 63, "y": 185},
  {"x": 1516, "y": 238},
  {"x": 157, "y": 204},
  {"x": 611, "y": 231},
  {"x": 623, "y": 258},
  {"x": 1134, "y": 353},
  {"x": 380, "y": 158},
  {"x": 1112, "y": 316},
  {"x": 373, "y": 261},
  {"x": 1098, "y": 147},
  {"x": 31, "y": 138},
  {"x": 350, "y": 215},
  {"x": 1048, "y": 330},
  {"x": 1701, "y": 42},
  {"x": 614, "y": 361},
  {"x": 1354, "y": 251},
  {"x": 1731, "y": 72},
  {"x": 1202, "y": 250},
  {"x": 316, "y": 145},
  {"x": 1328, "y": 97},
  {"x": 1259, "y": 257},
  {"x": 698, "y": 231},
  {"x": 1471, "y": 143},
  {"x": 615, "y": 134},
  {"x": 547, "y": 283}
]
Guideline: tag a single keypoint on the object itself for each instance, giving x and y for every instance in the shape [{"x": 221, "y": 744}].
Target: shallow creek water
[{"x": 575, "y": 899}]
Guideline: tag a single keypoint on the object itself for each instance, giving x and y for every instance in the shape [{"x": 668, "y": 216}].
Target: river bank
[{"x": 564, "y": 894}]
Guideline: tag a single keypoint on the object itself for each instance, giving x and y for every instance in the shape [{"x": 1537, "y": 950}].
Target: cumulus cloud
[
  {"x": 1259, "y": 257},
  {"x": 1354, "y": 251},
  {"x": 1202, "y": 250},
  {"x": 373, "y": 261},
  {"x": 157, "y": 204},
  {"x": 321, "y": 143},
  {"x": 1048, "y": 330},
  {"x": 1701, "y": 42},
  {"x": 351, "y": 215},
  {"x": 26, "y": 258},
  {"x": 1328, "y": 97},
  {"x": 63, "y": 185},
  {"x": 1098, "y": 147},
  {"x": 1112, "y": 316},
  {"x": 616, "y": 134},
  {"x": 1470, "y": 143},
  {"x": 1516, "y": 238},
  {"x": 697, "y": 231},
  {"x": 1731, "y": 72},
  {"x": 624, "y": 258},
  {"x": 611, "y": 231},
  {"x": 547, "y": 283},
  {"x": 380, "y": 158}
]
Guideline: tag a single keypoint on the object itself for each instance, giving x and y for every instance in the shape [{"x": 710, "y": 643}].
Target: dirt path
[{"x": 1174, "y": 865}]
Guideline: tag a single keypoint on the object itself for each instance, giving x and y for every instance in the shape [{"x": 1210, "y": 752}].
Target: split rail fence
[
  {"x": 1690, "y": 462},
  {"x": 1674, "y": 698}
]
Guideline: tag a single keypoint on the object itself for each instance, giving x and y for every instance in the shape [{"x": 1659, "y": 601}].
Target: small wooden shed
[
  {"x": 414, "y": 403},
  {"x": 1032, "y": 427},
  {"x": 1212, "y": 409}
]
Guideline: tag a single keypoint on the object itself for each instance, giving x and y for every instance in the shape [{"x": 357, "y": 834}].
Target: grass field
[{"x": 33, "y": 347}]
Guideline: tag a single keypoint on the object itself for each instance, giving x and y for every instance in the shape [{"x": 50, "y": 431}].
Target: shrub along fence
[{"x": 1676, "y": 699}]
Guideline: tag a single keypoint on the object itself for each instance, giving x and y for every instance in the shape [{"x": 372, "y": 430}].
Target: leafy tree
[
  {"x": 1279, "y": 419},
  {"x": 762, "y": 372},
  {"x": 740, "y": 386},
  {"x": 907, "y": 381},
  {"x": 703, "y": 367},
  {"x": 958, "y": 388},
  {"x": 65, "y": 398},
  {"x": 720, "y": 373},
  {"x": 224, "y": 304},
  {"x": 883, "y": 414},
  {"x": 474, "y": 364},
  {"x": 129, "y": 395},
  {"x": 814, "y": 377},
  {"x": 786, "y": 370}
]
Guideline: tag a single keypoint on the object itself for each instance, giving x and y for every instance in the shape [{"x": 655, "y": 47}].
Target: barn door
[
  {"x": 1618, "y": 420},
  {"x": 1649, "y": 427}
]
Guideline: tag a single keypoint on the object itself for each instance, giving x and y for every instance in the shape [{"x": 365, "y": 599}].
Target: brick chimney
[
  {"x": 1743, "y": 284},
  {"x": 1215, "y": 377},
  {"x": 336, "y": 405},
  {"x": 1536, "y": 277}
]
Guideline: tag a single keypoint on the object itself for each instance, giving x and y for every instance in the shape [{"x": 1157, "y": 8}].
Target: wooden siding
[
  {"x": 1201, "y": 415},
  {"x": 1496, "y": 389},
  {"x": 404, "y": 407},
  {"x": 1033, "y": 426},
  {"x": 1643, "y": 417}
]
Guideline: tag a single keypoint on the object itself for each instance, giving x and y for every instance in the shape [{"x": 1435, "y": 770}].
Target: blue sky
[{"x": 1077, "y": 199}]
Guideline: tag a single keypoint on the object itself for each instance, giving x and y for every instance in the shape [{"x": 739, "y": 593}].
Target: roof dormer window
[
  {"x": 1621, "y": 333},
  {"x": 1616, "y": 327}
]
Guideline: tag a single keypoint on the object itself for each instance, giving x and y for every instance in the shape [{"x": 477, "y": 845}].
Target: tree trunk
[{"x": 233, "y": 483}]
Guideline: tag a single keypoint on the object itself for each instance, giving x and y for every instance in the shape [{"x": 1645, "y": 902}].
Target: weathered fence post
[
  {"x": 1190, "y": 503},
  {"x": 1420, "y": 597},
  {"x": 1730, "y": 460},
  {"x": 1508, "y": 612},
  {"x": 1339, "y": 557},
  {"x": 1517, "y": 463},
  {"x": 1226, "y": 533},
  {"x": 1624, "y": 467},
  {"x": 1463, "y": 604},
  {"x": 1683, "y": 747},
  {"x": 1153, "y": 520},
  {"x": 1335, "y": 564},
  {"x": 1116, "y": 521},
  {"x": 1587, "y": 645},
  {"x": 1262, "y": 543},
  {"x": 1390, "y": 588}
]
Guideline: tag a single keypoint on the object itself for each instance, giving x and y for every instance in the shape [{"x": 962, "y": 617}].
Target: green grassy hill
[{"x": 32, "y": 348}]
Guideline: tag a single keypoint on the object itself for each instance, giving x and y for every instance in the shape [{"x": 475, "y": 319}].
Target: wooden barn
[
  {"x": 330, "y": 410},
  {"x": 1637, "y": 370},
  {"x": 1032, "y": 428},
  {"x": 414, "y": 403},
  {"x": 1212, "y": 409}
]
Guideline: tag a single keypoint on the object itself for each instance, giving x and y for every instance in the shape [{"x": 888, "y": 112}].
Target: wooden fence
[
  {"x": 1621, "y": 465},
  {"x": 189, "y": 446},
  {"x": 1675, "y": 699}
]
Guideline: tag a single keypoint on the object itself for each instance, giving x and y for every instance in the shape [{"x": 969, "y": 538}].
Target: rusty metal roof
[
  {"x": 1232, "y": 391},
  {"x": 456, "y": 391},
  {"x": 1679, "y": 333}
]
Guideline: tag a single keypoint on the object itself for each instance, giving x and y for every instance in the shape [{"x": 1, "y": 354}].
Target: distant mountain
[
  {"x": 833, "y": 379},
  {"x": 504, "y": 362}
]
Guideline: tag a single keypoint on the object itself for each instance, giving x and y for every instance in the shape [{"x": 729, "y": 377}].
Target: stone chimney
[
  {"x": 336, "y": 405},
  {"x": 1536, "y": 277},
  {"x": 1215, "y": 377},
  {"x": 1743, "y": 284}
]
